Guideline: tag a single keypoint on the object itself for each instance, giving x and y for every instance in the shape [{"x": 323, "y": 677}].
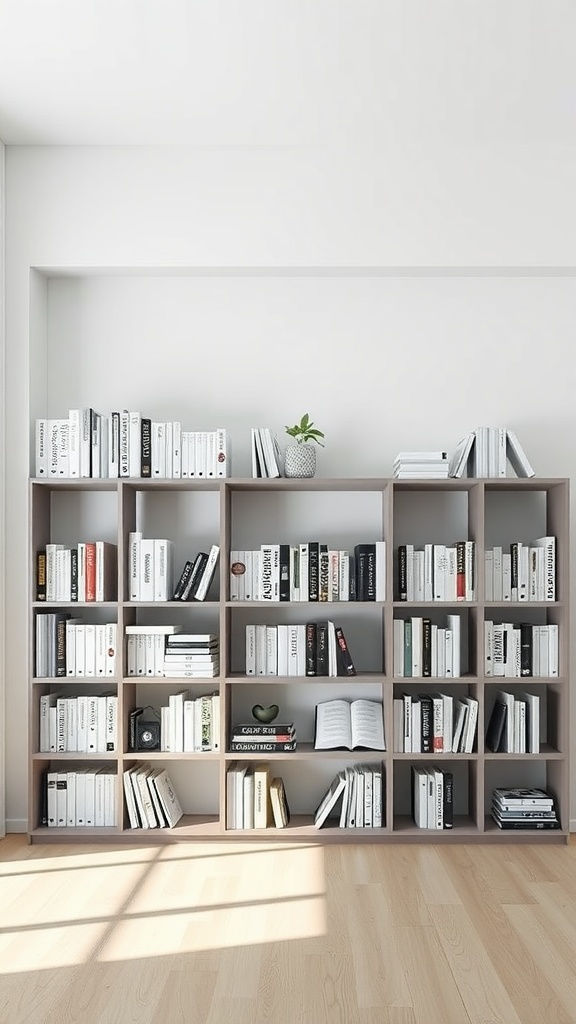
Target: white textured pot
[{"x": 300, "y": 460}]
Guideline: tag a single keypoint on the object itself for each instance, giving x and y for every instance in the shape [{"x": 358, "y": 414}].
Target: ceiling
[{"x": 287, "y": 72}]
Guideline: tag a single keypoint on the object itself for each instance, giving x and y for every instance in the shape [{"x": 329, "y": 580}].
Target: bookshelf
[{"x": 241, "y": 514}]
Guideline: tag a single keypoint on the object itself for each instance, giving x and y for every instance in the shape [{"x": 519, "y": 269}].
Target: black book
[
  {"x": 495, "y": 726},
  {"x": 528, "y": 823},
  {"x": 402, "y": 574},
  {"x": 361, "y": 565},
  {"x": 41, "y": 576},
  {"x": 146, "y": 447},
  {"x": 60, "y": 640},
  {"x": 370, "y": 572},
  {"x": 323, "y": 572},
  {"x": 526, "y": 648},
  {"x": 268, "y": 732},
  {"x": 184, "y": 577},
  {"x": 44, "y": 799},
  {"x": 346, "y": 666},
  {"x": 314, "y": 571},
  {"x": 514, "y": 569},
  {"x": 426, "y": 647},
  {"x": 311, "y": 630},
  {"x": 426, "y": 724},
  {"x": 322, "y": 649},
  {"x": 133, "y": 728},
  {"x": 200, "y": 563},
  {"x": 284, "y": 572},
  {"x": 267, "y": 745},
  {"x": 74, "y": 574}
]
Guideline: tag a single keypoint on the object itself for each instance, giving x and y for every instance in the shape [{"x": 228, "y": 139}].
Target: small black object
[{"x": 147, "y": 735}]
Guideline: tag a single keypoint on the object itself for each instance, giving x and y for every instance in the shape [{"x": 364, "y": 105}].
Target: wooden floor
[{"x": 247, "y": 933}]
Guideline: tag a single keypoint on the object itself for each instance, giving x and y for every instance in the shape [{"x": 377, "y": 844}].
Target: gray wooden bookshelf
[{"x": 242, "y": 514}]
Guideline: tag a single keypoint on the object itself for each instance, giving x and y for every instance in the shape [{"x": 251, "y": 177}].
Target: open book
[{"x": 350, "y": 724}]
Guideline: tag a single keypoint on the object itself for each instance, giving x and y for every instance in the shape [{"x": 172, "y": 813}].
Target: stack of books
[
  {"x": 254, "y": 799},
  {"x": 421, "y": 466},
  {"x": 256, "y": 738},
  {"x": 266, "y": 457},
  {"x": 190, "y": 655},
  {"x": 359, "y": 788},
  {"x": 524, "y": 809}
]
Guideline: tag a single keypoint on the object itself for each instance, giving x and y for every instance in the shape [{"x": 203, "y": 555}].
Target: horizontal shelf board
[
  {"x": 362, "y": 677},
  {"x": 77, "y": 483},
  {"x": 167, "y": 755},
  {"x": 72, "y": 755},
  {"x": 170, "y": 680},
  {"x": 312, "y": 484},
  {"x": 75, "y": 680},
  {"x": 520, "y": 605},
  {"x": 440, "y": 756},
  {"x": 316, "y": 483},
  {"x": 170, "y": 604},
  {"x": 305, "y": 752},
  {"x": 172, "y": 483},
  {"x": 42, "y": 605},
  {"x": 463, "y": 825},
  {"x": 437, "y": 680},
  {"x": 324, "y": 605},
  {"x": 435, "y": 604},
  {"x": 546, "y": 753}
]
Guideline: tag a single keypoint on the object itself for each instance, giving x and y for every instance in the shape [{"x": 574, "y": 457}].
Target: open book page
[
  {"x": 333, "y": 726},
  {"x": 367, "y": 724},
  {"x": 341, "y": 724}
]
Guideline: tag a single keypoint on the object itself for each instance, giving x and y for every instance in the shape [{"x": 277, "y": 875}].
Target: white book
[
  {"x": 454, "y": 622},
  {"x": 89, "y": 649},
  {"x": 41, "y": 448},
  {"x": 63, "y": 448},
  {"x": 506, "y": 576},
  {"x": 548, "y": 546},
  {"x": 134, "y": 542},
  {"x": 517, "y": 456},
  {"x": 111, "y": 736},
  {"x": 146, "y": 569},
  {"x": 111, "y": 630},
  {"x": 96, "y": 443},
  {"x": 222, "y": 453},
  {"x": 124, "y": 443},
  {"x": 74, "y": 416},
  {"x": 489, "y": 575},
  {"x": 439, "y": 565},
  {"x": 176, "y": 450},
  {"x": 398, "y": 648},
  {"x": 53, "y": 447},
  {"x": 200, "y": 444},
  {"x": 163, "y": 569},
  {"x": 114, "y": 445},
  {"x": 158, "y": 449},
  {"x": 135, "y": 444},
  {"x": 100, "y": 649},
  {"x": 210, "y": 454},
  {"x": 82, "y": 724},
  {"x": 349, "y": 724},
  {"x": 293, "y": 659},
  {"x": 282, "y": 649},
  {"x": 304, "y": 567},
  {"x": 168, "y": 798},
  {"x": 169, "y": 450},
  {"x": 271, "y": 651},
  {"x": 532, "y": 702},
  {"x": 250, "y": 650},
  {"x": 343, "y": 576},
  {"x": 71, "y": 799},
  {"x": 380, "y": 570}
]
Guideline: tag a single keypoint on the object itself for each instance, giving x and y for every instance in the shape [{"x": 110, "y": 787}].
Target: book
[
  {"x": 262, "y": 746},
  {"x": 257, "y": 729},
  {"x": 346, "y": 665},
  {"x": 201, "y": 590},
  {"x": 353, "y": 725},
  {"x": 496, "y": 725},
  {"x": 517, "y": 456},
  {"x": 279, "y": 803},
  {"x": 330, "y": 799}
]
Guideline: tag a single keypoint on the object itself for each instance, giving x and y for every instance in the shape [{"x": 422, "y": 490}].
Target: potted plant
[{"x": 300, "y": 458}]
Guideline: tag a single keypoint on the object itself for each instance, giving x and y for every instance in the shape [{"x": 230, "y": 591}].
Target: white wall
[
  {"x": 386, "y": 361},
  {"x": 2, "y": 495}
]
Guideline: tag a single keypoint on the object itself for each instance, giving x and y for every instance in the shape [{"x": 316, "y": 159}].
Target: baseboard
[{"x": 16, "y": 825}]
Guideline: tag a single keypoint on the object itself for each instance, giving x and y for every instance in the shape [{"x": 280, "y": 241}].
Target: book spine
[
  {"x": 146, "y": 447},
  {"x": 345, "y": 658},
  {"x": 313, "y": 571},
  {"x": 402, "y": 576},
  {"x": 311, "y": 648}
]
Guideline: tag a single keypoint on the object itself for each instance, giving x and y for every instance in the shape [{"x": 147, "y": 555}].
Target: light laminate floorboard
[{"x": 287, "y": 933}]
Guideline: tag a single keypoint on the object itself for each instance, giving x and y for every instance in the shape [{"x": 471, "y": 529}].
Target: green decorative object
[{"x": 265, "y": 715}]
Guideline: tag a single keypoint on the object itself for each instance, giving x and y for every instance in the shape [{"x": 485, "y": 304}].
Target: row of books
[
  {"x": 421, "y": 466},
  {"x": 87, "y": 572},
  {"x": 85, "y": 724},
  {"x": 151, "y": 799},
  {"x": 65, "y": 646},
  {"x": 434, "y": 723},
  {"x": 514, "y": 724},
  {"x": 432, "y": 797},
  {"x": 151, "y": 571},
  {"x": 527, "y": 572},
  {"x": 188, "y": 724},
  {"x": 309, "y": 572},
  {"x": 127, "y": 444},
  {"x": 354, "y": 799},
  {"x": 422, "y": 648},
  {"x": 437, "y": 572},
  {"x": 80, "y": 798},
  {"x": 266, "y": 458},
  {"x": 486, "y": 451},
  {"x": 304, "y": 649},
  {"x": 524, "y": 809},
  {"x": 520, "y": 649},
  {"x": 166, "y": 651},
  {"x": 256, "y": 737},
  {"x": 254, "y": 798}
]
